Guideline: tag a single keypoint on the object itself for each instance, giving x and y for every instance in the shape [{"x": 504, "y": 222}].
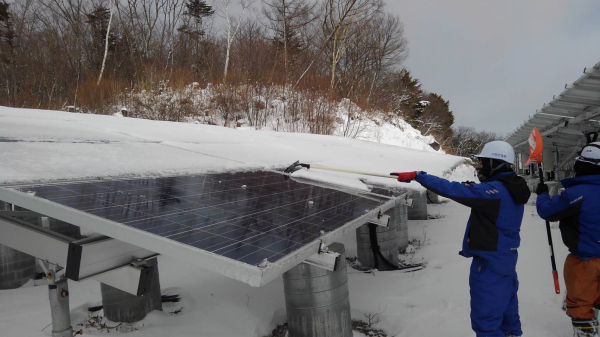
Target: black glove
[{"x": 541, "y": 188}]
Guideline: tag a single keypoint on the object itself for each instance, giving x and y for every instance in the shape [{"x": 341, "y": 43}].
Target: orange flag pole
[{"x": 536, "y": 147}]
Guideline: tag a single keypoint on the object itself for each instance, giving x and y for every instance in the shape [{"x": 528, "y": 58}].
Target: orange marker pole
[{"x": 536, "y": 146}]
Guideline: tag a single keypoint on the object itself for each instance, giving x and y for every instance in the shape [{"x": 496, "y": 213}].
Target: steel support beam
[
  {"x": 568, "y": 131},
  {"x": 591, "y": 70},
  {"x": 550, "y": 118},
  {"x": 569, "y": 157},
  {"x": 582, "y": 118},
  {"x": 562, "y": 141},
  {"x": 100, "y": 258},
  {"x": 538, "y": 123},
  {"x": 556, "y": 112},
  {"x": 570, "y": 106},
  {"x": 585, "y": 87},
  {"x": 35, "y": 241},
  {"x": 96, "y": 255},
  {"x": 578, "y": 100}
]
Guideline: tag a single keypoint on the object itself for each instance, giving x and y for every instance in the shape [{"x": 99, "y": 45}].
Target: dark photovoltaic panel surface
[{"x": 245, "y": 216}]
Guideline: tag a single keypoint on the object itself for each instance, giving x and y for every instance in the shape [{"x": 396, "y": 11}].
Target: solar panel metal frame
[{"x": 253, "y": 275}]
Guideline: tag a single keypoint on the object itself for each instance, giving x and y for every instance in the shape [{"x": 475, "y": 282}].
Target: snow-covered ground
[
  {"x": 41, "y": 146},
  {"x": 431, "y": 302}
]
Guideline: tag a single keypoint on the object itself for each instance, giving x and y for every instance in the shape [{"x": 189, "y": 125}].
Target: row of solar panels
[
  {"x": 249, "y": 226},
  {"x": 565, "y": 121}
]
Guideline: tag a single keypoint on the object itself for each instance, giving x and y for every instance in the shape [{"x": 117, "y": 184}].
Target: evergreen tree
[
  {"x": 98, "y": 21},
  {"x": 404, "y": 93},
  {"x": 196, "y": 11},
  {"x": 7, "y": 33},
  {"x": 436, "y": 118},
  {"x": 8, "y": 73},
  {"x": 288, "y": 38}
]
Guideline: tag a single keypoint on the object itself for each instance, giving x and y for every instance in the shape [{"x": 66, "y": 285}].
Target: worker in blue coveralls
[
  {"x": 491, "y": 238},
  {"x": 577, "y": 209}
]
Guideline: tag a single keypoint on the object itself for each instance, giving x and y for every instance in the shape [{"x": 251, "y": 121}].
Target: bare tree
[
  {"x": 340, "y": 20},
  {"x": 107, "y": 43},
  {"x": 252, "y": 40},
  {"x": 389, "y": 47},
  {"x": 285, "y": 19},
  {"x": 224, "y": 11},
  {"x": 466, "y": 141}
]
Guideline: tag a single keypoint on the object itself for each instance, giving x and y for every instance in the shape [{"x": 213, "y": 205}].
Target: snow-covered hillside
[
  {"x": 273, "y": 108},
  {"x": 43, "y": 145}
]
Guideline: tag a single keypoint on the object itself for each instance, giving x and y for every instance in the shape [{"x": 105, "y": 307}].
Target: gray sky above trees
[{"x": 498, "y": 61}]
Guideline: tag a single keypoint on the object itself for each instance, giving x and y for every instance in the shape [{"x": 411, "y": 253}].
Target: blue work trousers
[{"x": 494, "y": 303}]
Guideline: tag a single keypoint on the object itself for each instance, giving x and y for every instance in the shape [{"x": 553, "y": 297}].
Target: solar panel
[{"x": 248, "y": 217}]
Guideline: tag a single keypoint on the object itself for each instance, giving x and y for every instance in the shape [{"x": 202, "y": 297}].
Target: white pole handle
[{"x": 319, "y": 167}]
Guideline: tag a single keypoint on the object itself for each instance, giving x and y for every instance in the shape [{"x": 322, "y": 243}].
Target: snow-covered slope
[{"x": 273, "y": 108}]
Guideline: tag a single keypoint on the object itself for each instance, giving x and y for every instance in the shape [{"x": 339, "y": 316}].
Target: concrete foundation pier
[
  {"x": 120, "y": 306},
  {"x": 317, "y": 301}
]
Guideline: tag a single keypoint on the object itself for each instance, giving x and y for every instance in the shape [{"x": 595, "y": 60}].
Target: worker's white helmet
[
  {"x": 498, "y": 150},
  {"x": 590, "y": 154}
]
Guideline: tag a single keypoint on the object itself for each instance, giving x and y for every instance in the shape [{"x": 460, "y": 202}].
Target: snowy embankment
[
  {"x": 42, "y": 145},
  {"x": 38, "y": 145},
  {"x": 273, "y": 108}
]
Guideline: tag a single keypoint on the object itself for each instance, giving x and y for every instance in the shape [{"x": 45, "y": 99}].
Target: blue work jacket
[
  {"x": 577, "y": 208},
  {"x": 497, "y": 207}
]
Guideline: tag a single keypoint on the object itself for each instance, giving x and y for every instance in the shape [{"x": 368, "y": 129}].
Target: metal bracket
[
  {"x": 132, "y": 279},
  {"x": 96, "y": 255},
  {"x": 324, "y": 259},
  {"x": 407, "y": 200},
  {"x": 381, "y": 220}
]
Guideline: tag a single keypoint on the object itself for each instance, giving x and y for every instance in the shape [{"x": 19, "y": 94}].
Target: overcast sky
[{"x": 498, "y": 61}]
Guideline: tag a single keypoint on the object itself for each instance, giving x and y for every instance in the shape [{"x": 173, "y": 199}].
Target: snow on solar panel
[{"x": 248, "y": 217}]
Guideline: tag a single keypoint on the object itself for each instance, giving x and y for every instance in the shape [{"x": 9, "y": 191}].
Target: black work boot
[{"x": 585, "y": 328}]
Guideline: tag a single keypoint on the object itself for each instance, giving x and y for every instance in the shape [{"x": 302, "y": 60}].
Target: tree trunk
[{"x": 106, "y": 43}]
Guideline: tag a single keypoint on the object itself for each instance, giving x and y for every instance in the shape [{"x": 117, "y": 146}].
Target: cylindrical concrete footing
[
  {"x": 432, "y": 198},
  {"x": 317, "y": 301},
  {"x": 387, "y": 240},
  {"x": 120, "y": 306},
  {"x": 418, "y": 210},
  {"x": 58, "y": 294},
  {"x": 401, "y": 213},
  {"x": 16, "y": 268}
]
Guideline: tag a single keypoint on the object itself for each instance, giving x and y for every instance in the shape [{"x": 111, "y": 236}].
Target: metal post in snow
[{"x": 58, "y": 293}]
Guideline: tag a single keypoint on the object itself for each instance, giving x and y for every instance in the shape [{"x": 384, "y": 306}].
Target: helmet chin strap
[{"x": 495, "y": 168}]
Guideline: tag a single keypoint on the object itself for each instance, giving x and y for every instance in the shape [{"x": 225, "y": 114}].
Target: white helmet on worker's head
[
  {"x": 499, "y": 150},
  {"x": 590, "y": 154}
]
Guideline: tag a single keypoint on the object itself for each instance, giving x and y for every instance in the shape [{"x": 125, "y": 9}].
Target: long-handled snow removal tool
[
  {"x": 536, "y": 146},
  {"x": 296, "y": 166}
]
